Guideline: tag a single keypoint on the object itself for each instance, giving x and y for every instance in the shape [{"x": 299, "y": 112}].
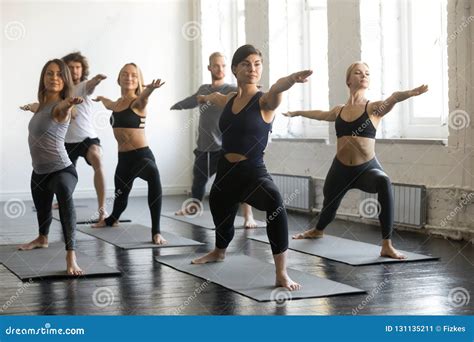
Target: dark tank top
[{"x": 246, "y": 132}]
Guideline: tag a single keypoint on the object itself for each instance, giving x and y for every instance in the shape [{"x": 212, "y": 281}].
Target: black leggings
[
  {"x": 248, "y": 182},
  {"x": 205, "y": 166},
  {"x": 43, "y": 188},
  {"x": 368, "y": 177},
  {"x": 132, "y": 164}
]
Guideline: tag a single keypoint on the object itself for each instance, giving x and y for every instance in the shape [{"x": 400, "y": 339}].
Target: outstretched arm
[
  {"x": 380, "y": 108},
  {"x": 94, "y": 82},
  {"x": 188, "y": 103},
  {"x": 272, "y": 99},
  {"x": 63, "y": 109},
  {"x": 142, "y": 99},
  {"x": 216, "y": 98},
  {"x": 321, "y": 115},
  {"x": 109, "y": 104},
  {"x": 32, "y": 107}
]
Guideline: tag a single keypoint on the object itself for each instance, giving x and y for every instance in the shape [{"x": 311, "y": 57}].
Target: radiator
[
  {"x": 297, "y": 191},
  {"x": 409, "y": 204}
]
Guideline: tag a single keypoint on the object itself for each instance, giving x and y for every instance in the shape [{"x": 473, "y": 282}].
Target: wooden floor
[{"x": 149, "y": 288}]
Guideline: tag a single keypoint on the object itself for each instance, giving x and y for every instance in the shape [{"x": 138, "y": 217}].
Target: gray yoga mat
[
  {"x": 134, "y": 236},
  {"x": 49, "y": 262},
  {"x": 255, "y": 279},
  {"x": 75, "y": 206},
  {"x": 205, "y": 220},
  {"x": 346, "y": 251},
  {"x": 86, "y": 215}
]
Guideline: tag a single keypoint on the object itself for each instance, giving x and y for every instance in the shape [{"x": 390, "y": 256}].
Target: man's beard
[{"x": 216, "y": 78}]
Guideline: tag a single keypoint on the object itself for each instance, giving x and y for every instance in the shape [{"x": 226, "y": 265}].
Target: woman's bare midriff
[
  {"x": 129, "y": 139},
  {"x": 352, "y": 151},
  {"x": 234, "y": 157}
]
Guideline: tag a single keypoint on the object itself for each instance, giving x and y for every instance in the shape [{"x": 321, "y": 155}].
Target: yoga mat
[
  {"x": 350, "y": 252},
  {"x": 256, "y": 279},
  {"x": 75, "y": 206},
  {"x": 134, "y": 236},
  {"x": 205, "y": 220},
  {"x": 86, "y": 215},
  {"x": 49, "y": 262}
]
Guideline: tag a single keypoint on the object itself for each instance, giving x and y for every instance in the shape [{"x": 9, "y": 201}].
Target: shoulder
[
  {"x": 372, "y": 106},
  {"x": 204, "y": 89}
]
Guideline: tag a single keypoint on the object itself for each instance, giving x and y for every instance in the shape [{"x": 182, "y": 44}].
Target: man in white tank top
[{"x": 81, "y": 138}]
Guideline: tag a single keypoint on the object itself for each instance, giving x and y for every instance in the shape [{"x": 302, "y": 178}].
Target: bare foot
[
  {"x": 309, "y": 234},
  {"x": 158, "y": 239},
  {"x": 72, "y": 266},
  {"x": 249, "y": 222},
  {"x": 214, "y": 256},
  {"x": 283, "y": 280},
  {"x": 102, "y": 224},
  {"x": 189, "y": 210},
  {"x": 55, "y": 205},
  {"x": 40, "y": 242},
  {"x": 180, "y": 212},
  {"x": 390, "y": 252},
  {"x": 102, "y": 214}
]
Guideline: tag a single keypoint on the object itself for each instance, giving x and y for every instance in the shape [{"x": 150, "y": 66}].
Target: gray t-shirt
[
  {"x": 209, "y": 135},
  {"x": 46, "y": 142}
]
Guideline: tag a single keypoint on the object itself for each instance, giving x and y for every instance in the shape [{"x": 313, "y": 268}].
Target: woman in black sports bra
[
  {"x": 355, "y": 165},
  {"x": 241, "y": 175},
  {"x": 135, "y": 159}
]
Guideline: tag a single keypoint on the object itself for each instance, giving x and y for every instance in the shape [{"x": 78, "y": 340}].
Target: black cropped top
[
  {"x": 246, "y": 132},
  {"x": 127, "y": 118},
  {"x": 360, "y": 127}
]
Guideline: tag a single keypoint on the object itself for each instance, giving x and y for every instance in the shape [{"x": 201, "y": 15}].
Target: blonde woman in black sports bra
[
  {"x": 135, "y": 158},
  {"x": 355, "y": 165}
]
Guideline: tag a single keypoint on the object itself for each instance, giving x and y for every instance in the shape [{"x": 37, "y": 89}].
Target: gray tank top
[{"x": 46, "y": 142}]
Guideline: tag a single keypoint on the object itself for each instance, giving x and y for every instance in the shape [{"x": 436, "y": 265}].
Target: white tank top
[{"x": 82, "y": 127}]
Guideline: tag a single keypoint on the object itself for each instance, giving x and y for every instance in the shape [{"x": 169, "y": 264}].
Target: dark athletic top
[
  {"x": 127, "y": 118},
  {"x": 360, "y": 127},
  {"x": 246, "y": 132}
]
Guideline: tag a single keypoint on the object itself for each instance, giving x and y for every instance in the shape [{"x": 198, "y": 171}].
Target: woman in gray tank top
[{"x": 53, "y": 173}]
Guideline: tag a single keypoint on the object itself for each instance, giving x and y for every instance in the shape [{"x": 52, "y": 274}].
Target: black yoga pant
[
  {"x": 132, "y": 164},
  {"x": 205, "y": 166},
  {"x": 248, "y": 182},
  {"x": 62, "y": 184},
  {"x": 368, "y": 177}
]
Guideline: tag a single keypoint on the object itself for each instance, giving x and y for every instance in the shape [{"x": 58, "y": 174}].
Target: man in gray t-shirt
[{"x": 209, "y": 141}]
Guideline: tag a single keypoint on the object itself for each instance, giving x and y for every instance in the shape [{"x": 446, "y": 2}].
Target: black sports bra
[
  {"x": 127, "y": 118},
  {"x": 360, "y": 127}
]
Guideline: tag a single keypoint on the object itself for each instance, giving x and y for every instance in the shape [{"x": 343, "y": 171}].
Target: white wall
[{"x": 110, "y": 34}]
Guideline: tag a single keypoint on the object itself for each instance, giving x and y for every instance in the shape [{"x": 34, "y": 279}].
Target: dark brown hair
[
  {"x": 78, "y": 57},
  {"x": 65, "y": 76},
  {"x": 243, "y": 52}
]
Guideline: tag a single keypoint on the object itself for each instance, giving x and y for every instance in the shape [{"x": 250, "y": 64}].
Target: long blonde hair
[{"x": 139, "y": 90}]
